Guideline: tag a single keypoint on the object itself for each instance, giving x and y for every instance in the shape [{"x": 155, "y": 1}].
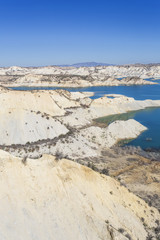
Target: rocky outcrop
[
  {"x": 20, "y": 126},
  {"x": 32, "y": 80},
  {"x": 90, "y": 141},
  {"x": 116, "y": 131},
  {"x": 142, "y": 71},
  {"x": 106, "y": 106},
  {"x": 50, "y": 199},
  {"x": 30, "y": 117},
  {"x": 78, "y": 77}
]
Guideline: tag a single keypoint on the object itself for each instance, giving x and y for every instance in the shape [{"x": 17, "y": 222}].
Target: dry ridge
[
  {"x": 49, "y": 199},
  {"x": 78, "y": 77}
]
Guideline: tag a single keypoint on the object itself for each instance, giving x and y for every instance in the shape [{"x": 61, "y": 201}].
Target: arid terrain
[
  {"x": 47, "y": 198},
  {"x": 61, "y": 123},
  {"x": 78, "y": 77},
  {"x": 57, "y": 162}
]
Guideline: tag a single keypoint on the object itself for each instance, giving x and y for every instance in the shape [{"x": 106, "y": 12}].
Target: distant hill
[{"x": 87, "y": 64}]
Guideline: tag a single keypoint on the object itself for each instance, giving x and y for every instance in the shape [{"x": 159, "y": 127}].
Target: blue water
[
  {"x": 141, "y": 92},
  {"x": 149, "y": 117},
  {"x": 150, "y": 138}
]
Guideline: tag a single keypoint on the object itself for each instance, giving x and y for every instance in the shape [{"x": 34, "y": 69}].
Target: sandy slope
[
  {"x": 45, "y": 199},
  {"x": 29, "y": 116}
]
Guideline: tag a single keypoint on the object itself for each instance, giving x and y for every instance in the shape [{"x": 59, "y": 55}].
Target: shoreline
[
  {"x": 75, "y": 87},
  {"x": 86, "y": 85}
]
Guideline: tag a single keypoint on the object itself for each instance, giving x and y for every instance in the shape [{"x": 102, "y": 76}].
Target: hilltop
[{"x": 86, "y": 64}]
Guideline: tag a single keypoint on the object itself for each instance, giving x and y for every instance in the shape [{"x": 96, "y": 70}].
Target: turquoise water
[{"x": 149, "y": 117}]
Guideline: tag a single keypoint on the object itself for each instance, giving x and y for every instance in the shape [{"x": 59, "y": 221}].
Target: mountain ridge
[{"x": 86, "y": 64}]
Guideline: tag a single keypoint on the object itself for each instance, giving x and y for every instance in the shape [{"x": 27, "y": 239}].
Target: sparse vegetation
[
  {"x": 121, "y": 230},
  {"x": 58, "y": 155},
  {"x": 128, "y": 236},
  {"x": 149, "y": 237},
  {"x": 105, "y": 171},
  {"x": 24, "y": 160}
]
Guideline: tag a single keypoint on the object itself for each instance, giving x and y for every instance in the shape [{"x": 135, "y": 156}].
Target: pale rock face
[
  {"x": 71, "y": 81},
  {"x": 90, "y": 141},
  {"x": 119, "y": 104},
  {"x": 78, "y": 77},
  {"x": 29, "y": 78},
  {"x": 30, "y": 116},
  {"x": 120, "y": 130},
  {"x": 116, "y": 131},
  {"x": 104, "y": 107},
  {"x": 35, "y": 101},
  {"x": 76, "y": 146},
  {"x": 21, "y": 127},
  {"x": 57, "y": 200},
  {"x": 96, "y": 72},
  {"x": 42, "y": 115}
]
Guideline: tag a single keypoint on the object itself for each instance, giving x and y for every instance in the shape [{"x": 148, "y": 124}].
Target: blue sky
[{"x": 35, "y": 33}]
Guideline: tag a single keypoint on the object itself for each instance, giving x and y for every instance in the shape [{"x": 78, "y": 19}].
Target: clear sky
[{"x": 48, "y": 32}]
